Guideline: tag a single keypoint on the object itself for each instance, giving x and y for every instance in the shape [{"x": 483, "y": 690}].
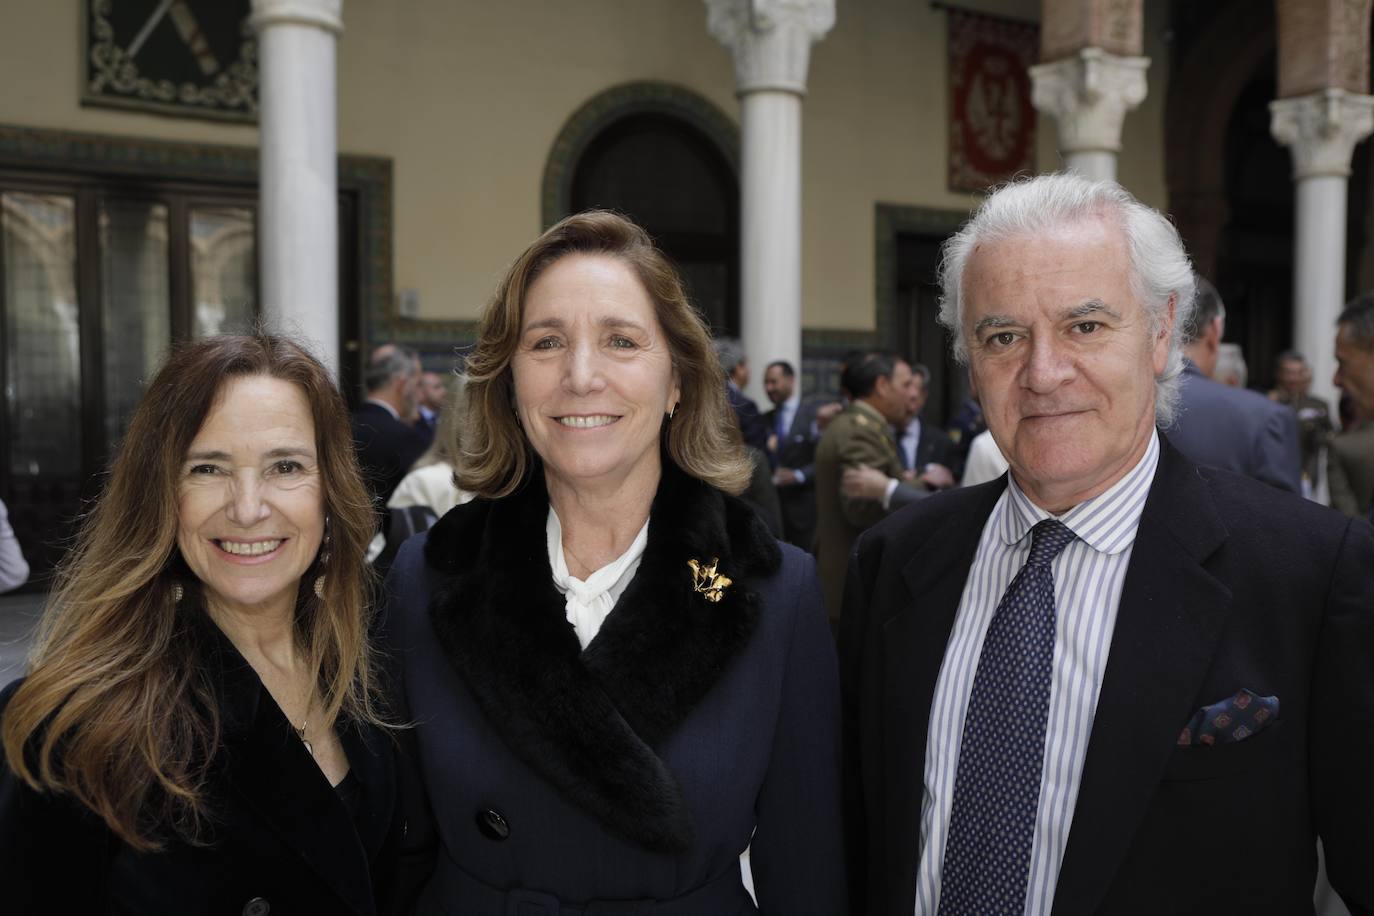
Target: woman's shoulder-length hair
[
  {"x": 701, "y": 438},
  {"x": 114, "y": 657}
]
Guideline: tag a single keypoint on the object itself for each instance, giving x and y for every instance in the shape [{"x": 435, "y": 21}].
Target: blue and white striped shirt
[{"x": 1088, "y": 576}]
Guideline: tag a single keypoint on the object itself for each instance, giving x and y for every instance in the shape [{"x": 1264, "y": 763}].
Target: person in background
[
  {"x": 735, "y": 365},
  {"x": 384, "y": 425},
  {"x": 1230, "y": 369},
  {"x": 965, "y": 426},
  {"x": 428, "y": 492},
  {"x": 14, "y": 569},
  {"x": 880, "y": 385},
  {"x": 1314, "y": 415},
  {"x": 620, "y": 680},
  {"x": 1350, "y": 461},
  {"x": 1229, "y": 428},
  {"x": 430, "y": 403},
  {"x": 201, "y": 728},
  {"x": 926, "y": 455},
  {"x": 1080, "y": 688},
  {"x": 985, "y": 461},
  {"x": 792, "y": 438}
]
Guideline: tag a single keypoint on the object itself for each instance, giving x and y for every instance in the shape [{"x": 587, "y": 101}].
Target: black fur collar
[{"x": 589, "y": 722}]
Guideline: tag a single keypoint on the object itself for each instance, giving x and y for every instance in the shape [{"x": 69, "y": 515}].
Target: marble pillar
[
  {"x": 298, "y": 214},
  {"x": 771, "y": 44},
  {"x": 1089, "y": 94},
  {"x": 1321, "y": 130}
]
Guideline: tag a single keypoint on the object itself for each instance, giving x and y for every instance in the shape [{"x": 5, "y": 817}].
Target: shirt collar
[{"x": 1107, "y": 523}]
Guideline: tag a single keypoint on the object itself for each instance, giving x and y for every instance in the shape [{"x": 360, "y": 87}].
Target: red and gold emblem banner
[{"x": 992, "y": 121}]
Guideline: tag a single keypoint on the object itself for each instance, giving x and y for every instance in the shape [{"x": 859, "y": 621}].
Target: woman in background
[{"x": 198, "y": 731}]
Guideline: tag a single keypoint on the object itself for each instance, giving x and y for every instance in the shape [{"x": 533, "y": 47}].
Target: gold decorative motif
[{"x": 706, "y": 581}]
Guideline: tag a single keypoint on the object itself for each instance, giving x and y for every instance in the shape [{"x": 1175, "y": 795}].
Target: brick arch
[{"x": 607, "y": 107}]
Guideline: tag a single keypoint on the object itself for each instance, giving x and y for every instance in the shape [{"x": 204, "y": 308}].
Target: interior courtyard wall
[{"x": 467, "y": 99}]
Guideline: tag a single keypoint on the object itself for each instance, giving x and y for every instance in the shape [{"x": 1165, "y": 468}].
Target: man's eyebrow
[
  {"x": 1092, "y": 307},
  {"x": 993, "y": 321}
]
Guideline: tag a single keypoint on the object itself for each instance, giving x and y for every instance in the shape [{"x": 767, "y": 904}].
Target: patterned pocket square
[{"x": 1232, "y": 719}]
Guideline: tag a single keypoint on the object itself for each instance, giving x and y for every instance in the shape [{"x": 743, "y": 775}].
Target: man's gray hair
[
  {"x": 1159, "y": 266},
  {"x": 387, "y": 362},
  {"x": 729, "y": 353}
]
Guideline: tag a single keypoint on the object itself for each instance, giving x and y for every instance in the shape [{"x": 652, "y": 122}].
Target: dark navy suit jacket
[
  {"x": 640, "y": 768},
  {"x": 1231, "y": 585},
  {"x": 1237, "y": 430}
]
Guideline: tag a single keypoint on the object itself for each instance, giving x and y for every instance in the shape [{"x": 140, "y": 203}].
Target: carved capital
[
  {"x": 1089, "y": 95},
  {"x": 770, "y": 39},
  {"x": 325, "y": 14},
  {"x": 1322, "y": 129}
]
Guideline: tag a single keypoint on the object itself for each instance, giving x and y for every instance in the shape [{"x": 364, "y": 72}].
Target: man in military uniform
[
  {"x": 1314, "y": 416},
  {"x": 880, "y": 385}
]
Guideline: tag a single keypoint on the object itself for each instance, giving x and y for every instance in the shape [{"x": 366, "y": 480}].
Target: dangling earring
[
  {"x": 177, "y": 593},
  {"x": 672, "y": 413}
]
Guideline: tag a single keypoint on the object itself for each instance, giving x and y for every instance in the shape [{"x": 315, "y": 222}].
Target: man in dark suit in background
[
  {"x": 1230, "y": 428},
  {"x": 735, "y": 365},
  {"x": 385, "y": 431},
  {"x": 1112, "y": 682},
  {"x": 792, "y": 438}
]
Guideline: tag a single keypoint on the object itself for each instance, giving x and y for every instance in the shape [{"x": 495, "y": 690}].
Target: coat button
[
  {"x": 492, "y": 825},
  {"x": 257, "y": 907}
]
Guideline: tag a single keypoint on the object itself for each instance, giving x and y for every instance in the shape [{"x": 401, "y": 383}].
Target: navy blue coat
[{"x": 639, "y": 769}]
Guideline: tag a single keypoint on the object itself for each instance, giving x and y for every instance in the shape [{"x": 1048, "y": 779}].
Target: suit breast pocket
[{"x": 1188, "y": 764}]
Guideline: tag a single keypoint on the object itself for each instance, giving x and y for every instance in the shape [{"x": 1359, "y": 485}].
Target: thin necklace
[{"x": 300, "y": 733}]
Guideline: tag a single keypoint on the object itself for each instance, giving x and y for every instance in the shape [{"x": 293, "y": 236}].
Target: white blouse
[{"x": 589, "y": 601}]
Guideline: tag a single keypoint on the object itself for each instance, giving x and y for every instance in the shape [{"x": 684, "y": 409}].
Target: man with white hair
[{"x": 1111, "y": 681}]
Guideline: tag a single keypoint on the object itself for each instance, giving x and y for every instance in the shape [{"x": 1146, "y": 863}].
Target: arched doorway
[{"x": 669, "y": 160}]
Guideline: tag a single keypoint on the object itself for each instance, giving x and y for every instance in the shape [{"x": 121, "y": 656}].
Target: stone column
[
  {"x": 1091, "y": 73},
  {"x": 298, "y": 213},
  {"x": 1089, "y": 94},
  {"x": 771, "y": 43},
  {"x": 1322, "y": 111},
  {"x": 1321, "y": 129}
]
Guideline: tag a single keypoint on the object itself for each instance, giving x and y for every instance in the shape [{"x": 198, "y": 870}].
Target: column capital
[
  {"x": 326, "y": 14},
  {"x": 1322, "y": 129},
  {"x": 1089, "y": 95},
  {"x": 770, "y": 39}
]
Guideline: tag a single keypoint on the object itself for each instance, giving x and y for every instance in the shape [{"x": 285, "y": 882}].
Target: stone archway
[{"x": 614, "y": 104}]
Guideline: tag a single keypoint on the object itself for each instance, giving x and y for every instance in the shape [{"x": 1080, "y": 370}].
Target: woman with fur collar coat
[{"x": 619, "y": 679}]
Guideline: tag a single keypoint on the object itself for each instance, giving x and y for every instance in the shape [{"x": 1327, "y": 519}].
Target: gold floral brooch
[{"x": 706, "y": 581}]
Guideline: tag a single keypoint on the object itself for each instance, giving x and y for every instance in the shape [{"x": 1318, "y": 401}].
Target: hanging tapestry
[{"x": 992, "y": 121}]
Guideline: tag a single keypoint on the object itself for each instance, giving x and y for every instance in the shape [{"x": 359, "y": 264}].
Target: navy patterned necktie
[{"x": 997, "y": 783}]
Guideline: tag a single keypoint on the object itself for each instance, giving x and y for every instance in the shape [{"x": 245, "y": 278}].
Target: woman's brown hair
[
  {"x": 494, "y": 455},
  {"x": 118, "y": 709}
]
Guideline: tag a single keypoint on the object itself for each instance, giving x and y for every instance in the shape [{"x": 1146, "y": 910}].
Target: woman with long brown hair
[{"x": 198, "y": 730}]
